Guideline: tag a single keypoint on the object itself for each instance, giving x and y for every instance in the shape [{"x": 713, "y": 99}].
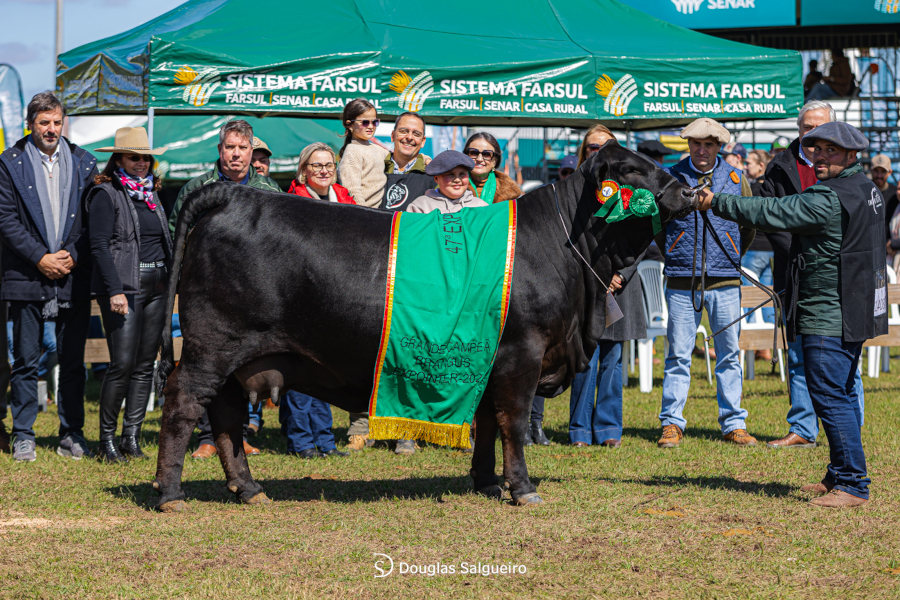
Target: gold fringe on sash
[{"x": 397, "y": 428}]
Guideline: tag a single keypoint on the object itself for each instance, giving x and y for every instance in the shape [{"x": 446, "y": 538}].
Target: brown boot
[
  {"x": 740, "y": 437},
  {"x": 791, "y": 440},
  {"x": 838, "y": 499},
  {"x": 358, "y": 442},
  {"x": 671, "y": 436},
  {"x": 204, "y": 451},
  {"x": 250, "y": 450},
  {"x": 817, "y": 488},
  {"x": 4, "y": 438}
]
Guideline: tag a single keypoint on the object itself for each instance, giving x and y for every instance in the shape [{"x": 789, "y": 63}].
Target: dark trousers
[
  {"x": 133, "y": 341},
  {"x": 596, "y": 423},
  {"x": 71, "y": 334},
  {"x": 537, "y": 410},
  {"x": 306, "y": 422},
  {"x": 5, "y": 370},
  {"x": 830, "y": 365}
]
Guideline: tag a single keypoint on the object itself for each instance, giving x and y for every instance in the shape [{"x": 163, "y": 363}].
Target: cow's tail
[{"x": 195, "y": 205}]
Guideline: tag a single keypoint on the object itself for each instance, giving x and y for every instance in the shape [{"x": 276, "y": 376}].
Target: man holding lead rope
[{"x": 836, "y": 295}]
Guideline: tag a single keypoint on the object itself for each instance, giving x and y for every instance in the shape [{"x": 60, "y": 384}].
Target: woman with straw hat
[{"x": 132, "y": 251}]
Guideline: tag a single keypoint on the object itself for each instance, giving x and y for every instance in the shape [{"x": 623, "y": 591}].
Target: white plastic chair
[
  {"x": 754, "y": 321},
  {"x": 875, "y": 352},
  {"x": 656, "y": 314}
]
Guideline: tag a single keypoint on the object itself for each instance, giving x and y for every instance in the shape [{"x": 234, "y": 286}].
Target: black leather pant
[{"x": 133, "y": 341}]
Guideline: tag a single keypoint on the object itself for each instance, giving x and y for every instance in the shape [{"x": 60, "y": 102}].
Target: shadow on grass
[
  {"x": 308, "y": 490},
  {"x": 775, "y": 490}
]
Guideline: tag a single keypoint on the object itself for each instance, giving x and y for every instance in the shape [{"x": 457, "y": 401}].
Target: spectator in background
[
  {"x": 655, "y": 151},
  {"x": 361, "y": 169},
  {"x": 735, "y": 154},
  {"x": 594, "y": 139},
  {"x": 813, "y": 78},
  {"x": 567, "y": 166},
  {"x": 791, "y": 172},
  {"x": 880, "y": 173},
  {"x": 839, "y": 82},
  {"x": 43, "y": 179},
  {"x": 404, "y": 167},
  {"x": 132, "y": 253},
  {"x": 780, "y": 144},
  {"x": 759, "y": 255},
  {"x": 260, "y": 159},
  {"x": 486, "y": 180}
]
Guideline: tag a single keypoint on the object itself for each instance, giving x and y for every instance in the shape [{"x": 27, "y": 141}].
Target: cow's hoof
[
  {"x": 531, "y": 499},
  {"x": 258, "y": 499},
  {"x": 175, "y": 506},
  {"x": 491, "y": 491}
]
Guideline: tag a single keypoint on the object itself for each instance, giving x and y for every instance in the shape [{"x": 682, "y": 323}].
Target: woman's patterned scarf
[{"x": 138, "y": 189}]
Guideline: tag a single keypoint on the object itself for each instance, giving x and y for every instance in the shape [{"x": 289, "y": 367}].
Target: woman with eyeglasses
[
  {"x": 486, "y": 180},
  {"x": 361, "y": 169},
  {"x": 316, "y": 176},
  {"x": 132, "y": 253}
]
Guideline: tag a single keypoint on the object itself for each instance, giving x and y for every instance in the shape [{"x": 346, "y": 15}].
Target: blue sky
[{"x": 29, "y": 31}]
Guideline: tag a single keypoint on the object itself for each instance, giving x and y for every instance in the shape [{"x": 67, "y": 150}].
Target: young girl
[
  {"x": 361, "y": 169},
  {"x": 451, "y": 173}
]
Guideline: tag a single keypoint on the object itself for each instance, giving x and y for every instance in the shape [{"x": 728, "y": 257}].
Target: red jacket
[{"x": 343, "y": 195}]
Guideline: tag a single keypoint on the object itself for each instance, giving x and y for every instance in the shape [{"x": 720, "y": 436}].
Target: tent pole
[{"x": 150, "y": 112}]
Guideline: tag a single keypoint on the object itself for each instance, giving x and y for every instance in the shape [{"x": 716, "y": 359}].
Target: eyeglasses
[
  {"x": 474, "y": 152},
  {"x": 418, "y": 135},
  {"x": 138, "y": 158},
  {"x": 327, "y": 167},
  {"x": 591, "y": 148},
  {"x": 366, "y": 122}
]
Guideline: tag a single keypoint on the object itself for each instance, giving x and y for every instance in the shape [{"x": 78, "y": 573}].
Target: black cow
[{"x": 280, "y": 292}]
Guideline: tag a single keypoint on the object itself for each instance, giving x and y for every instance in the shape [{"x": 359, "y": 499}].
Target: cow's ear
[{"x": 601, "y": 166}]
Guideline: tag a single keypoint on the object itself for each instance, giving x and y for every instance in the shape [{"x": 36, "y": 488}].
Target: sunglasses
[
  {"x": 473, "y": 153},
  {"x": 367, "y": 122},
  {"x": 138, "y": 158},
  {"x": 591, "y": 148}
]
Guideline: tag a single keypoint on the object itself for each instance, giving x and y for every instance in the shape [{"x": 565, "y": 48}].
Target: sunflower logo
[
  {"x": 412, "y": 92},
  {"x": 198, "y": 87},
  {"x": 618, "y": 94}
]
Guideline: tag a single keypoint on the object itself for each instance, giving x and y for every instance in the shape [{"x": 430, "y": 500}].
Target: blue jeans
[
  {"x": 801, "y": 416},
  {"x": 723, "y": 306},
  {"x": 49, "y": 356},
  {"x": 537, "y": 410},
  {"x": 306, "y": 422},
  {"x": 256, "y": 415},
  {"x": 760, "y": 263},
  {"x": 596, "y": 424},
  {"x": 830, "y": 366}
]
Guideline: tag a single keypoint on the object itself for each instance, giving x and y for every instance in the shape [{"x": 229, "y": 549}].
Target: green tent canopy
[
  {"x": 192, "y": 140},
  {"x": 542, "y": 62}
]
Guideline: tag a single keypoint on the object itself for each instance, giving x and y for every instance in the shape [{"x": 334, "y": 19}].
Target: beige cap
[
  {"x": 258, "y": 144},
  {"x": 883, "y": 161},
  {"x": 132, "y": 140},
  {"x": 705, "y": 128}
]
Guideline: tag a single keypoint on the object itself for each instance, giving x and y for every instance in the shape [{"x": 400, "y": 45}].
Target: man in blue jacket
[
  {"x": 43, "y": 178},
  {"x": 722, "y": 296}
]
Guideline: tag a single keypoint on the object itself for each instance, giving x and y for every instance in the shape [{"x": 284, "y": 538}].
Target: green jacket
[
  {"x": 418, "y": 166},
  {"x": 818, "y": 222},
  {"x": 256, "y": 181}
]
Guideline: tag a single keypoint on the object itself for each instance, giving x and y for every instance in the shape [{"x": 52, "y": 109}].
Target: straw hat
[{"x": 133, "y": 140}]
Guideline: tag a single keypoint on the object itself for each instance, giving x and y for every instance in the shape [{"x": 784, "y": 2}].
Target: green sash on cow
[{"x": 448, "y": 283}]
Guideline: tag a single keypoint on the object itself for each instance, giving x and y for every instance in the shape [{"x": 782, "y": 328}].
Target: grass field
[{"x": 707, "y": 520}]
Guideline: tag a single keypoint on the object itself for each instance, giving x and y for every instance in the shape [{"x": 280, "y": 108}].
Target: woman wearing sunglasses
[
  {"x": 132, "y": 252},
  {"x": 361, "y": 169},
  {"x": 593, "y": 141},
  {"x": 316, "y": 176},
  {"x": 487, "y": 181}
]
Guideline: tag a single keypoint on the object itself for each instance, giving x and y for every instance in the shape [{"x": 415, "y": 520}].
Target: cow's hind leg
[
  {"x": 226, "y": 416},
  {"x": 484, "y": 458},
  {"x": 512, "y": 416},
  {"x": 181, "y": 412}
]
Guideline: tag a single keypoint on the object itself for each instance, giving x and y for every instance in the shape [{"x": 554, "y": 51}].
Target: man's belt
[{"x": 153, "y": 265}]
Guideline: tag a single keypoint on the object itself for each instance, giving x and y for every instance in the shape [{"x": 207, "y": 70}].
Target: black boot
[
  {"x": 109, "y": 453},
  {"x": 537, "y": 434},
  {"x": 528, "y": 440},
  {"x": 129, "y": 447}
]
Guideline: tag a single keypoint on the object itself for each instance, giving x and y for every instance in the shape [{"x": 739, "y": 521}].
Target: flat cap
[
  {"x": 448, "y": 160},
  {"x": 838, "y": 133},
  {"x": 654, "y": 148},
  {"x": 705, "y": 128},
  {"x": 883, "y": 161},
  {"x": 258, "y": 144}
]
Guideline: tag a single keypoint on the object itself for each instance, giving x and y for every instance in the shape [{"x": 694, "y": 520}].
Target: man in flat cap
[
  {"x": 837, "y": 260},
  {"x": 723, "y": 289}
]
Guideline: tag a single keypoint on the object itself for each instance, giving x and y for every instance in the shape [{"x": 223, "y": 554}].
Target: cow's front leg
[
  {"x": 181, "y": 412},
  {"x": 484, "y": 458},
  {"x": 512, "y": 416},
  {"x": 226, "y": 416}
]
